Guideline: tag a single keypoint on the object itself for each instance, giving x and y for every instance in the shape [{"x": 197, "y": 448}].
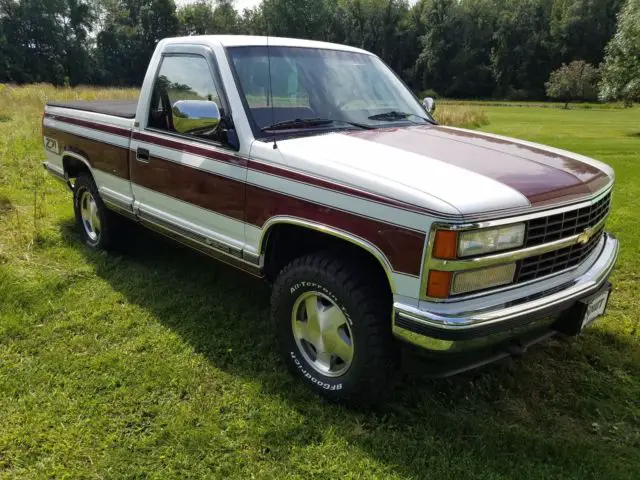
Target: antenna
[{"x": 270, "y": 95}]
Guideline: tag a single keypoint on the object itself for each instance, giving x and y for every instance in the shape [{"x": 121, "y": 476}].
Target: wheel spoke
[
  {"x": 95, "y": 221},
  {"x": 313, "y": 318},
  {"x": 343, "y": 347},
  {"x": 84, "y": 209},
  {"x": 331, "y": 319},
  {"x": 323, "y": 359},
  {"x": 90, "y": 215},
  {"x": 302, "y": 331}
]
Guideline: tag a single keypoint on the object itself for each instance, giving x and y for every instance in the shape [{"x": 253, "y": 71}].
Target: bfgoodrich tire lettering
[{"x": 363, "y": 318}]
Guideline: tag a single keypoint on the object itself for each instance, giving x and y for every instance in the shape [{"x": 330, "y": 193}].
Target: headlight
[{"x": 488, "y": 240}]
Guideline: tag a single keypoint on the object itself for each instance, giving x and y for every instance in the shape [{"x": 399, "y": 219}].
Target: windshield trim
[{"x": 259, "y": 134}]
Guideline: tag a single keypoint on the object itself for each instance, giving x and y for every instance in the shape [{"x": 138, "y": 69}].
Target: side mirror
[
  {"x": 430, "y": 104},
  {"x": 195, "y": 116}
]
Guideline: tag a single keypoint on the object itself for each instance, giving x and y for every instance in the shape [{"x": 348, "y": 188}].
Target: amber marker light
[
  {"x": 446, "y": 244},
  {"x": 439, "y": 284}
]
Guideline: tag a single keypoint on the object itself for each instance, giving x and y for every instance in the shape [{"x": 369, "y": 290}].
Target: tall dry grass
[
  {"x": 30, "y": 100},
  {"x": 37, "y": 94},
  {"x": 463, "y": 116},
  {"x": 22, "y": 177}
]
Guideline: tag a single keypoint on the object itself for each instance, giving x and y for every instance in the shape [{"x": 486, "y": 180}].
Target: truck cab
[{"x": 313, "y": 166}]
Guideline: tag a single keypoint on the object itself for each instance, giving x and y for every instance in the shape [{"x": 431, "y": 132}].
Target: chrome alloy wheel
[
  {"x": 322, "y": 334},
  {"x": 90, "y": 217}
]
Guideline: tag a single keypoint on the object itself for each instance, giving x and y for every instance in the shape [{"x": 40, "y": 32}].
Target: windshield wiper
[
  {"x": 393, "y": 116},
  {"x": 310, "y": 123}
]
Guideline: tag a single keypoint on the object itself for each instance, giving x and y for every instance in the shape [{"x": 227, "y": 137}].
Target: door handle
[{"x": 142, "y": 155}]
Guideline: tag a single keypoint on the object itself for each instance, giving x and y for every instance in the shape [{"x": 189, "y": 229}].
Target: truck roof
[{"x": 250, "y": 40}]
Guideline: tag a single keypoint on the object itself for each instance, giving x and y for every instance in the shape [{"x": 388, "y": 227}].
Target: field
[{"x": 158, "y": 363}]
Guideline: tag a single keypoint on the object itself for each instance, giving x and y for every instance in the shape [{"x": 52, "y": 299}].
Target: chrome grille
[
  {"x": 556, "y": 261},
  {"x": 554, "y": 227}
]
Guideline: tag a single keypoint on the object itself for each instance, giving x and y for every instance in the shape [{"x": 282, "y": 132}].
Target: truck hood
[{"x": 449, "y": 170}]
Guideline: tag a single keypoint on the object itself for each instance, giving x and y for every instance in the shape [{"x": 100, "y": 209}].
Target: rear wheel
[
  {"x": 95, "y": 222},
  {"x": 334, "y": 328}
]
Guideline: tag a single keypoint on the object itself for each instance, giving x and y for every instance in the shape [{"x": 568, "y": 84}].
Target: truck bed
[{"x": 116, "y": 108}]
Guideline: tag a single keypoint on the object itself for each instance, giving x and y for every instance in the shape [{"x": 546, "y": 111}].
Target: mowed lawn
[{"x": 159, "y": 363}]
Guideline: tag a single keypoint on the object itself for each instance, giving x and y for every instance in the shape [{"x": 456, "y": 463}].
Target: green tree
[
  {"x": 45, "y": 40},
  {"x": 226, "y": 19},
  {"x": 521, "y": 52},
  {"x": 580, "y": 29},
  {"x": 196, "y": 18},
  {"x": 456, "y": 49},
  {"x": 383, "y": 27},
  {"x": 309, "y": 19},
  {"x": 621, "y": 70},
  {"x": 576, "y": 81},
  {"x": 132, "y": 28}
]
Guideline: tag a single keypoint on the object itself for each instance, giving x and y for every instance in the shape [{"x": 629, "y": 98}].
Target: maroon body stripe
[
  {"x": 402, "y": 247},
  {"x": 541, "y": 176},
  {"x": 273, "y": 170},
  {"x": 114, "y": 130},
  {"x": 190, "y": 148},
  {"x": 336, "y": 187},
  {"x": 207, "y": 190},
  {"x": 255, "y": 205},
  {"x": 101, "y": 156}
]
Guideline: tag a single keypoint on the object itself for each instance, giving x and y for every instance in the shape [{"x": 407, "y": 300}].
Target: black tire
[
  {"x": 105, "y": 239},
  {"x": 365, "y": 306}
]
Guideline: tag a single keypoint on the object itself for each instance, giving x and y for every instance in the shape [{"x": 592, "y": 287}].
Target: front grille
[
  {"x": 556, "y": 261},
  {"x": 554, "y": 227}
]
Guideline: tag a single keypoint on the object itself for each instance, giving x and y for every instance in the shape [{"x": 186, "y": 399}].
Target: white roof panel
[{"x": 249, "y": 40}]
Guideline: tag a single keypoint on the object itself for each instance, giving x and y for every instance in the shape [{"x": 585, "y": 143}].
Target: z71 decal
[{"x": 51, "y": 144}]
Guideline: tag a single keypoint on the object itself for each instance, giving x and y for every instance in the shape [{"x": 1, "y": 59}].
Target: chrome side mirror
[
  {"x": 430, "y": 104},
  {"x": 195, "y": 116}
]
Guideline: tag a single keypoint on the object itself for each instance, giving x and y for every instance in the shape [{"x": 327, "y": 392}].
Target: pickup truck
[{"x": 313, "y": 166}]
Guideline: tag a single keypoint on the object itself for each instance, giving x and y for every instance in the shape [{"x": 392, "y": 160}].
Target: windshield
[{"x": 332, "y": 88}]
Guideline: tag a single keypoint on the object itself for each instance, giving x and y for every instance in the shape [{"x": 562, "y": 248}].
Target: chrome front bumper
[{"x": 468, "y": 328}]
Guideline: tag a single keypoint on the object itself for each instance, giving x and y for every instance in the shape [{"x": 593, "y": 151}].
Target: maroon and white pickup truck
[{"x": 313, "y": 165}]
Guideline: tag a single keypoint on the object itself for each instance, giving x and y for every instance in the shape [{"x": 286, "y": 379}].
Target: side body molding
[{"x": 334, "y": 232}]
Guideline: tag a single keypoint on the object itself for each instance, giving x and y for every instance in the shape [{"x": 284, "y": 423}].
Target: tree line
[{"x": 451, "y": 48}]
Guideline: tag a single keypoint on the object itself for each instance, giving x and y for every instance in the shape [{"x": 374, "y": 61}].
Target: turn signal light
[
  {"x": 446, "y": 244},
  {"x": 439, "y": 284}
]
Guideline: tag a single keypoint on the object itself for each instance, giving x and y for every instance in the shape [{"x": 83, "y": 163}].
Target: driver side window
[{"x": 180, "y": 78}]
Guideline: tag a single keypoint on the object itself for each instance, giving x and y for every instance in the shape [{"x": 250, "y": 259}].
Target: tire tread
[{"x": 370, "y": 308}]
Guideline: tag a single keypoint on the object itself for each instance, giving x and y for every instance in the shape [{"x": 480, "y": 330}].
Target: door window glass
[{"x": 183, "y": 78}]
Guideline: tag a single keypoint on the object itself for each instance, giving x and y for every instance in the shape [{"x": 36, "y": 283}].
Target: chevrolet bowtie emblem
[{"x": 585, "y": 236}]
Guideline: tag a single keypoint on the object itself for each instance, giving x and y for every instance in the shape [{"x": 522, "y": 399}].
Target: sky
[{"x": 242, "y": 4}]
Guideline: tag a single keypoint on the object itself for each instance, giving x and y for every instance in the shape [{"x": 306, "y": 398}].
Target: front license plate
[{"x": 595, "y": 308}]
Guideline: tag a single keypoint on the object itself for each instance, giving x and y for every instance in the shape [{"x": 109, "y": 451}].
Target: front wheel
[{"x": 334, "y": 328}]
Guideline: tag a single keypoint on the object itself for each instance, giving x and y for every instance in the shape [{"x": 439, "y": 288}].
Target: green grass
[{"x": 158, "y": 363}]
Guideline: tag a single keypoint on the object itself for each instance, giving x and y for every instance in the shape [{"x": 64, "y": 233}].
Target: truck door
[{"x": 186, "y": 178}]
